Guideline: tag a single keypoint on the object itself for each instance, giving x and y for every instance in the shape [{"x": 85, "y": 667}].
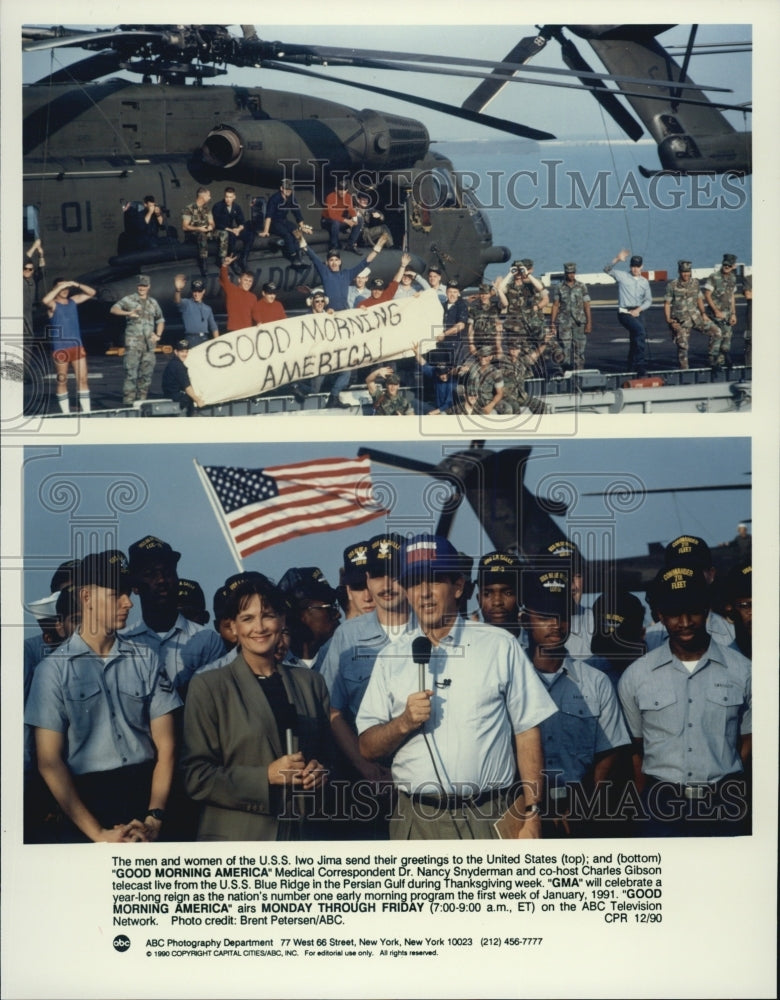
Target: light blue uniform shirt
[
  {"x": 633, "y": 292},
  {"x": 204, "y": 647},
  {"x": 588, "y": 721},
  {"x": 581, "y": 629},
  {"x": 170, "y": 646},
  {"x": 352, "y": 654},
  {"x": 103, "y": 705},
  {"x": 690, "y": 722},
  {"x": 493, "y": 693}
]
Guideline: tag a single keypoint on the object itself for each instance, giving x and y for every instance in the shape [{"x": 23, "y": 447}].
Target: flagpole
[{"x": 218, "y": 513}]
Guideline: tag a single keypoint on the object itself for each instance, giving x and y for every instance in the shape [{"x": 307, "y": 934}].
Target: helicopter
[
  {"x": 517, "y": 521},
  {"x": 692, "y": 134},
  {"x": 95, "y": 146}
]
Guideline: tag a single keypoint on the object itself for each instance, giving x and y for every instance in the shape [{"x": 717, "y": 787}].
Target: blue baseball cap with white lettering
[{"x": 424, "y": 555}]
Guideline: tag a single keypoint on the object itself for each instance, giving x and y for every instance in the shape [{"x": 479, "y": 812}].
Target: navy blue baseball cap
[{"x": 424, "y": 555}]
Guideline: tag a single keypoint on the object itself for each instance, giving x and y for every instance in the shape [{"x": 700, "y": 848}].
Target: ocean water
[{"x": 583, "y": 201}]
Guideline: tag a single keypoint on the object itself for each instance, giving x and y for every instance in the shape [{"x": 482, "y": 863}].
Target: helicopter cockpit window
[
  {"x": 437, "y": 189},
  {"x": 30, "y": 223}
]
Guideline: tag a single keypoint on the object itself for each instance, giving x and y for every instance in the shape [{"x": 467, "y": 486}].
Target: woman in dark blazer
[{"x": 255, "y": 730}]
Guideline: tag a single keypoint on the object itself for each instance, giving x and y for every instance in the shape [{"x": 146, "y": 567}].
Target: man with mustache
[{"x": 347, "y": 670}]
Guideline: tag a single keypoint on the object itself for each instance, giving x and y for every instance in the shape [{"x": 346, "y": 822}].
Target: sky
[
  {"x": 101, "y": 492},
  {"x": 566, "y": 113}
]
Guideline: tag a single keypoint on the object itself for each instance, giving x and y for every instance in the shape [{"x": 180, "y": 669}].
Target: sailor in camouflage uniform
[
  {"x": 388, "y": 402},
  {"x": 145, "y": 325},
  {"x": 720, "y": 291},
  {"x": 516, "y": 368},
  {"x": 198, "y": 223},
  {"x": 485, "y": 381},
  {"x": 684, "y": 310},
  {"x": 524, "y": 298},
  {"x": 483, "y": 316},
  {"x": 570, "y": 319}
]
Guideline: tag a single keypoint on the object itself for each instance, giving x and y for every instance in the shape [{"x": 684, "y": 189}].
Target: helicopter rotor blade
[
  {"x": 213, "y": 42},
  {"x": 509, "y": 78},
  {"x": 525, "y": 49},
  {"x": 86, "y": 40},
  {"x": 718, "y": 487},
  {"x": 353, "y": 56},
  {"x": 400, "y": 461},
  {"x": 622, "y": 118},
  {"x": 524, "y": 131},
  {"x": 85, "y": 70}
]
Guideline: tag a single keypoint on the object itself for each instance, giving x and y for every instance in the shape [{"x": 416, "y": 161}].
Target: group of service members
[{"x": 409, "y": 719}]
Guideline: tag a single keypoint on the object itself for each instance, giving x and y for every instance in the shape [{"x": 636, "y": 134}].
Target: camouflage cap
[
  {"x": 683, "y": 265},
  {"x": 729, "y": 259},
  {"x": 485, "y": 351},
  {"x": 570, "y": 268},
  {"x": 392, "y": 379},
  {"x": 485, "y": 289},
  {"x": 143, "y": 279}
]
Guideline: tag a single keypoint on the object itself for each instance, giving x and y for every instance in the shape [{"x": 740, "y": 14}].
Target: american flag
[{"x": 262, "y": 507}]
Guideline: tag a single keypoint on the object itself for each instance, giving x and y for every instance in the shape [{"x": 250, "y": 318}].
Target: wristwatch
[
  {"x": 533, "y": 808},
  {"x": 158, "y": 814}
]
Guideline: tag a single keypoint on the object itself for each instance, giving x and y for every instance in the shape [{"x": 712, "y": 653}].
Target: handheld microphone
[{"x": 421, "y": 654}]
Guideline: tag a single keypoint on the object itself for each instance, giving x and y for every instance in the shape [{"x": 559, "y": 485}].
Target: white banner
[{"x": 261, "y": 358}]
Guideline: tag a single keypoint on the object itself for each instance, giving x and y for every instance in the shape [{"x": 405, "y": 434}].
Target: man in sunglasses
[
  {"x": 313, "y": 616},
  {"x": 720, "y": 291}
]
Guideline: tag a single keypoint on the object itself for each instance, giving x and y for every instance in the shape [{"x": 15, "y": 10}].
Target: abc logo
[{"x": 121, "y": 942}]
